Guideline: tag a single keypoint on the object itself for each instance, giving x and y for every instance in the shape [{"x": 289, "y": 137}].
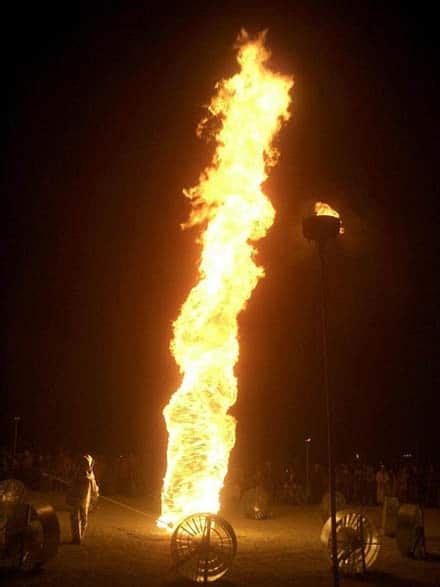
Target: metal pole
[
  {"x": 329, "y": 409},
  {"x": 14, "y": 446},
  {"x": 307, "y": 471}
]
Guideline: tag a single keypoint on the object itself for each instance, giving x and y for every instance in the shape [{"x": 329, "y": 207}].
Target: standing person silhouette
[{"x": 82, "y": 491}]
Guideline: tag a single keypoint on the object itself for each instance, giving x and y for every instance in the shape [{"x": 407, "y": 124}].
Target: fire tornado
[{"x": 229, "y": 203}]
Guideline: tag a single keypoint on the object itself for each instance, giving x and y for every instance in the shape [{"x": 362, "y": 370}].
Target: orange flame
[
  {"x": 323, "y": 209},
  {"x": 251, "y": 107}
]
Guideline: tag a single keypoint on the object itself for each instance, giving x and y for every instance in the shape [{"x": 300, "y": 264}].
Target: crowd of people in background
[
  {"x": 359, "y": 484},
  {"x": 123, "y": 474},
  {"x": 128, "y": 475}
]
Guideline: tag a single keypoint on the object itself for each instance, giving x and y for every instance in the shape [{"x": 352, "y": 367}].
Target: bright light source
[{"x": 249, "y": 109}]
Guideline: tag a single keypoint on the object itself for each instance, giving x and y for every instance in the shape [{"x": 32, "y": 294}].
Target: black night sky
[{"x": 102, "y": 102}]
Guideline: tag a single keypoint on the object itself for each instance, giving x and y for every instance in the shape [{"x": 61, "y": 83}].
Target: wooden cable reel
[
  {"x": 42, "y": 535},
  {"x": 29, "y": 534},
  {"x": 203, "y": 547},
  {"x": 358, "y": 542},
  {"x": 32, "y": 536}
]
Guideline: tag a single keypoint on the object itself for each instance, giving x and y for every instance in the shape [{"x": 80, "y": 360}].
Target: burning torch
[{"x": 324, "y": 225}]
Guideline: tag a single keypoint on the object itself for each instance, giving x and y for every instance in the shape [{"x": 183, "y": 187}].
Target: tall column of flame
[{"x": 250, "y": 108}]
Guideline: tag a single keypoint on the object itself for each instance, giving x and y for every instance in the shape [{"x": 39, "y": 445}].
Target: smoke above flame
[{"x": 250, "y": 108}]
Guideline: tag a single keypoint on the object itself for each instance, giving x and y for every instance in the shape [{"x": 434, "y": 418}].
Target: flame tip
[{"x": 324, "y": 209}]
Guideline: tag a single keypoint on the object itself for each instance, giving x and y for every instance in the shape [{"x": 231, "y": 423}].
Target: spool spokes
[
  {"x": 203, "y": 547},
  {"x": 358, "y": 541}
]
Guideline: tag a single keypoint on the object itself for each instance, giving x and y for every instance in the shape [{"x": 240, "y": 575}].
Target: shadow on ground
[{"x": 373, "y": 578}]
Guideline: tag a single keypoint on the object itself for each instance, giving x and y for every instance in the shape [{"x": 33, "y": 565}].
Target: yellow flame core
[
  {"x": 323, "y": 209},
  {"x": 251, "y": 107}
]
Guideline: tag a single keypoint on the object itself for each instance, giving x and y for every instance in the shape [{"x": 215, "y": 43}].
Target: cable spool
[
  {"x": 31, "y": 535},
  {"x": 358, "y": 542},
  {"x": 203, "y": 547},
  {"x": 44, "y": 533},
  {"x": 325, "y": 504},
  {"x": 410, "y": 531},
  {"x": 255, "y": 503}
]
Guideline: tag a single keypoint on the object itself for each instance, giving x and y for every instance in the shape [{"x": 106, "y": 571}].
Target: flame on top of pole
[
  {"x": 251, "y": 107},
  {"x": 324, "y": 209}
]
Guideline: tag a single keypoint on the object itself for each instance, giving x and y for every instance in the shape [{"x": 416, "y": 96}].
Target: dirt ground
[{"x": 123, "y": 548}]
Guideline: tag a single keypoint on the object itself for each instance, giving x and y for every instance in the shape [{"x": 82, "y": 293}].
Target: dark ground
[{"x": 124, "y": 548}]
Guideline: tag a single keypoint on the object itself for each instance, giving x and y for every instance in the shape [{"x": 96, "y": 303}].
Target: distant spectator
[{"x": 382, "y": 482}]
